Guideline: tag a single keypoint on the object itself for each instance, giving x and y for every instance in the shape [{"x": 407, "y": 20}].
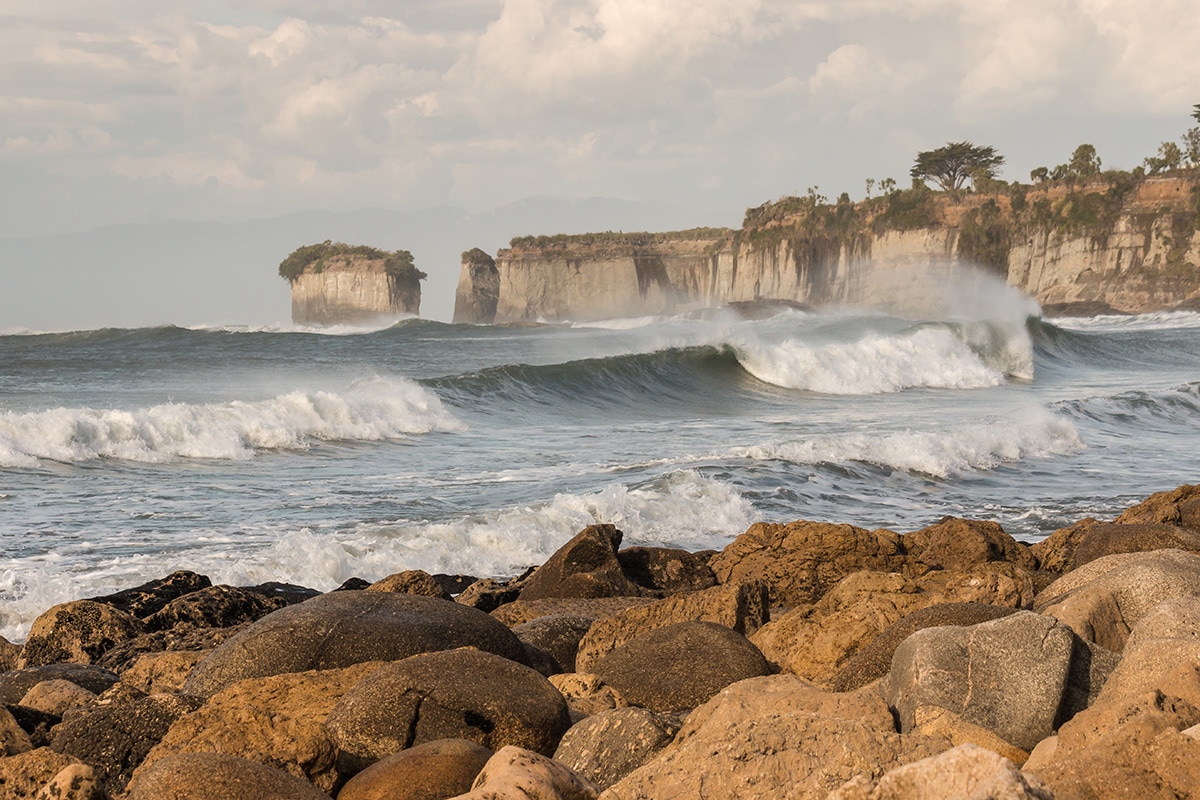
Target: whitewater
[{"x": 312, "y": 456}]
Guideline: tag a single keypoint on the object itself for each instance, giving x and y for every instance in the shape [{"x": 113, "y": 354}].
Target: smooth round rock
[
  {"x": 214, "y": 776},
  {"x": 430, "y": 771}
]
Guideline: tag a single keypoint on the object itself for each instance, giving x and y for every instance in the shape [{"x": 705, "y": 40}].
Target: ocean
[{"x": 311, "y": 456}]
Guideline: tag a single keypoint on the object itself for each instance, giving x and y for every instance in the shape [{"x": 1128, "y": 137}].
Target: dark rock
[
  {"x": 214, "y": 607},
  {"x": 1056, "y": 553},
  {"x": 142, "y": 601},
  {"x": 353, "y": 585},
  {"x": 519, "y": 612},
  {"x": 606, "y": 747},
  {"x": 114, "y": 739},
  {"x": 123, "y": 656},
  {"x": 542, "y": 661},
  {"x": 9, "y": 653},
  {"x": 1106, "y": 539},
  {"x": 454, "y": 584},
  {"x": 413, "y": 581},
  {"x": 557, "y": 635},
  {"x": 38, "y": 724},
  {"x": 212, "y": 776},
  {"x": 79, "y": 632},
  {"x": 678, "y": 667},
  {"x": 586, "y": 566},
  {"x": 875, "y": 659},
  {"x": 13, "y": 738},
  {"x": 430, "y": 771},
  {"x": 344, "y": 628},
  {"x": 289, "y": 593},
  {"x": 488, "y": 594},
  {"x": 959, "y": 544},
  {"x": 666, "y": 570},
  {"x": 14, "y": 685},
  {"x": 453, "y": 694}
]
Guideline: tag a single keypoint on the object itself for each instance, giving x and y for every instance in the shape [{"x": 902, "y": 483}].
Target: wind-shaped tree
[{"x": 951, "y": 166}]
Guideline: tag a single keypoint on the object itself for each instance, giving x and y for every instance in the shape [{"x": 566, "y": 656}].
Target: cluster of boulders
[{"x": 806, "y": 660}]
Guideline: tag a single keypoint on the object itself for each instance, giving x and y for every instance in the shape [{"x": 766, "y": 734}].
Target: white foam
[
  {"x": 682, "y": 509},
  {"x": 1157, "y": 321},
  {"x": 1040, "y": 434},
  {"x": 368, "y": 410}
]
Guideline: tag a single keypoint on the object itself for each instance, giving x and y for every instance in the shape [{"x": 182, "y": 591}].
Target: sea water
[{"x": 311, "y": 456}]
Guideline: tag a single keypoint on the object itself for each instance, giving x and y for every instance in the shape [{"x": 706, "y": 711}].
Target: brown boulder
[
  {"x": 341, "y": 629},
  {"x": 965, "y": 771},
  {"x": 517, "y": 773},
  {"x": 594, "y": 608},
  {"x": 213, "y": 607},
  {"x": 488, "y": 594},
  {"x": 162, "y": 672},
  {"x": 73, "y": 782},
  {"x": 9, "y": 653},
  {"x": 1165, "y": 638},
  {"x": 16, "y": 684},
  {"x": 587, "y": 693},
  {"x": 1106, "y": 539},
  {"x": 742, "y": 607},
  {"x": 606, "y": 747},
  {"x": 557, "y": 635},
  {"x": 680, "y": 666},
  {"x": 803, "y": 560},
  {"x": 13, "y": 739},
  {"x": 959, "y": 544},
  {"x": 430, "y": 771},
  {"x": 142, "y": 601},
  {"x": 453, "y": 694},
  {"x": 413, "y": 581},
  {"x": 79, "y": 632},
  {"x": 276, "y": 721},
  {"x": 666, "y": 570},
  {"x": 586, "y": 566},
  {"x": 775, "y": 737},
  {"x": 56, "y": 697},
  {"x": 1056, "y": 553},
  {"x": 183, "y": 639},
  {"x": 23, "y": 775},
  {"x": 215, "y": 776},
  {"x": 1175, "y": 507}
]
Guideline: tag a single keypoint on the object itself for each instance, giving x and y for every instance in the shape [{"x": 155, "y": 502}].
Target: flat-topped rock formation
[{"x": 335, "y": 283}]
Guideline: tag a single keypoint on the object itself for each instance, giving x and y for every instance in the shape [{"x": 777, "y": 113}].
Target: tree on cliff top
[
  {"x": 1196, "y": 112},
  {"x": 951, "y": 166}
]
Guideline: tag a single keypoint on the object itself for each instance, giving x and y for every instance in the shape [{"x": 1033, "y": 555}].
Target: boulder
[
  {"x": 37, "y": 724},
  {"x": 488, "y": 594},
  {"x": 276, "y": 721},
  {"x": 742, "y": 607},
  {"x": 587, "y": 693},
  {"x": 936, "y": 721},
  {"x": 1102, "y": 600},
  {"x": 775, "y": 737},
  {"x": 517, "y": 773},
  {"x": 1056, "y": 553},
  {"x": 9, "y": 653},
  {"x": 586, "y": 566},
  {"x": 959, "y": 544},
  {"x": 213, "y": 607},
  {"x": 557, "y": 635},
  {"x": 162, "y": 672},
  {"x": 114, "y": 739},
  {"x": 413, "y": 581},
  {"x": 594, "y": 608},
  {"x": 803, "y": 560},
  {"x": 430, "y": 771},
  {"x": 16, "y": 684},
  {"x": 79, "y": 632},
  {"x": 453, "y": 694},
  {"x": 666, "y": 570},
  {"x": 1165, "y": 638},
  {"x": 965, "y": 772},
  {"x": 183, "y": 639},
  {"x": 873, "y": 660},
  {"x": 341, "y": 629},
  {"x": 23, "y": 775},
  {"x": 73, "y": 782},
  {"x": 681, "y": 666},
  {"x": 216, "y": 776},
  {"x": 289, "y": 593},
  {"x": 1106, "y": 539},
  {"x": 1008, "y": 676},
  {"x": 1176, "y": 507},
  {"x": 142, "y": 601},
  {"x": 13, "y": 739},
  {"x": 606, "y": 747},
  {"x": 56, "y": 697}
]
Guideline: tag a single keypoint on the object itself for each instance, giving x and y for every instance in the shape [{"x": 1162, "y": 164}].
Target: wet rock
[
  {"x": 56, "y": 697},
  {"x": 965, "y": 771},
  {"x": 803, "y": 560},
  {"x": 666, "y": 570},
  {"x": 114, "y": 739},
  {"x": 413, "y": 581},
  {"x": 454, "y": 694},
  {"x": 215, "y": 776},
  {"x": 606, "y": 747},
  {"x": 587, "y": 693},
  {"x": 276, "y": 721},
  {"x": 14, "y": 685},
  {"x": 430, "y": 771},
  {"x": 184, "y": 639},
  {"x": 213, "y": 607},
  {"x": 557, "y": 635},
  {"x": 13, "y": 739},
  {"x": 142, "y": 601},
  {"x": 594, "y": 608},
  {"x": 775, "y": 737},
  {"x": 162, "y": 672},
  {"x": 742, "y": 607},
  {"x": 1106, "y": 539},
  {"x": 79, "y": 632},
  {"x": 517, "y": 773},
  {"x": 454, "y": 584},
  {"x": 355, "y": 584},
  {"x": 586, "y": 566},
  {"x": 488, "y": 594},
  {"x": 23, "y": 775},
  {"x": 340, "y": 629},
  {"x": 289, "y": 593},
  {"x": 681, "y": 666},
  {"x": 873, "y": 661},
  {"x": 1102, "y": 600},
  {"x": 959, "y": 544}
]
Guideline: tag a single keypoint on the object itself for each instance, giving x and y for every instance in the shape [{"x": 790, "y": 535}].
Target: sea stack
[
  {"x": 478, "y": 289},
  {"x": 336, "y": 283}
]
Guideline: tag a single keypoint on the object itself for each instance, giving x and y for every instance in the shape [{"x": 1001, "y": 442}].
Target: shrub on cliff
[
  {"x": 952, "y": 165},
  {"x": 398, "y": 265}
]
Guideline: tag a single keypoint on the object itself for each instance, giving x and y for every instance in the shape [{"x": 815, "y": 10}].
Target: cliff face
[
  {"x": 348, "y": 290},
  {"x": 1133, "y": 248}
]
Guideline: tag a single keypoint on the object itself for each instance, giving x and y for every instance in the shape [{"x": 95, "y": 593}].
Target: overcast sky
[{"x": 139, "y": 110}]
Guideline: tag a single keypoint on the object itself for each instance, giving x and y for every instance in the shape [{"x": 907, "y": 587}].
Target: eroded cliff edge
[
  {"x": 1126, "y": 245},
  {"x": 336, "y": 283}
]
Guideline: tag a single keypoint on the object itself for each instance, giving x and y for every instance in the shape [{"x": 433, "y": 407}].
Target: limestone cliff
[
  {"x": 343, "y": 284},
  {"x": 1130, "y": 245},
  {"x": 478, "y": 288}
]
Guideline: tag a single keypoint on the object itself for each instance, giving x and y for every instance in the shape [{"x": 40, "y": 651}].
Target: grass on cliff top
[
  {"x": 562, "y": 241},
  {"x": 398, "y": 265}
]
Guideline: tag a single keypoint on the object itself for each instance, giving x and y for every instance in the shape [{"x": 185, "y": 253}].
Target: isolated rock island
[{"x": 335, "y": 283}]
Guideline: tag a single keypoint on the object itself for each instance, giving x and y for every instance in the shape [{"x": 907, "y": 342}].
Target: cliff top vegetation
[
  {"x": 398, "y": 264},
  {"x": 564, "y": 241}
]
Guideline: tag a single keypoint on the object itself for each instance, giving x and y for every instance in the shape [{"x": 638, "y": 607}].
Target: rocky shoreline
[{"x": 804, "y": 660}]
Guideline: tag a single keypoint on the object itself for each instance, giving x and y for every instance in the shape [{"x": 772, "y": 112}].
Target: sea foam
[{"x": 370, "y": 410}]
